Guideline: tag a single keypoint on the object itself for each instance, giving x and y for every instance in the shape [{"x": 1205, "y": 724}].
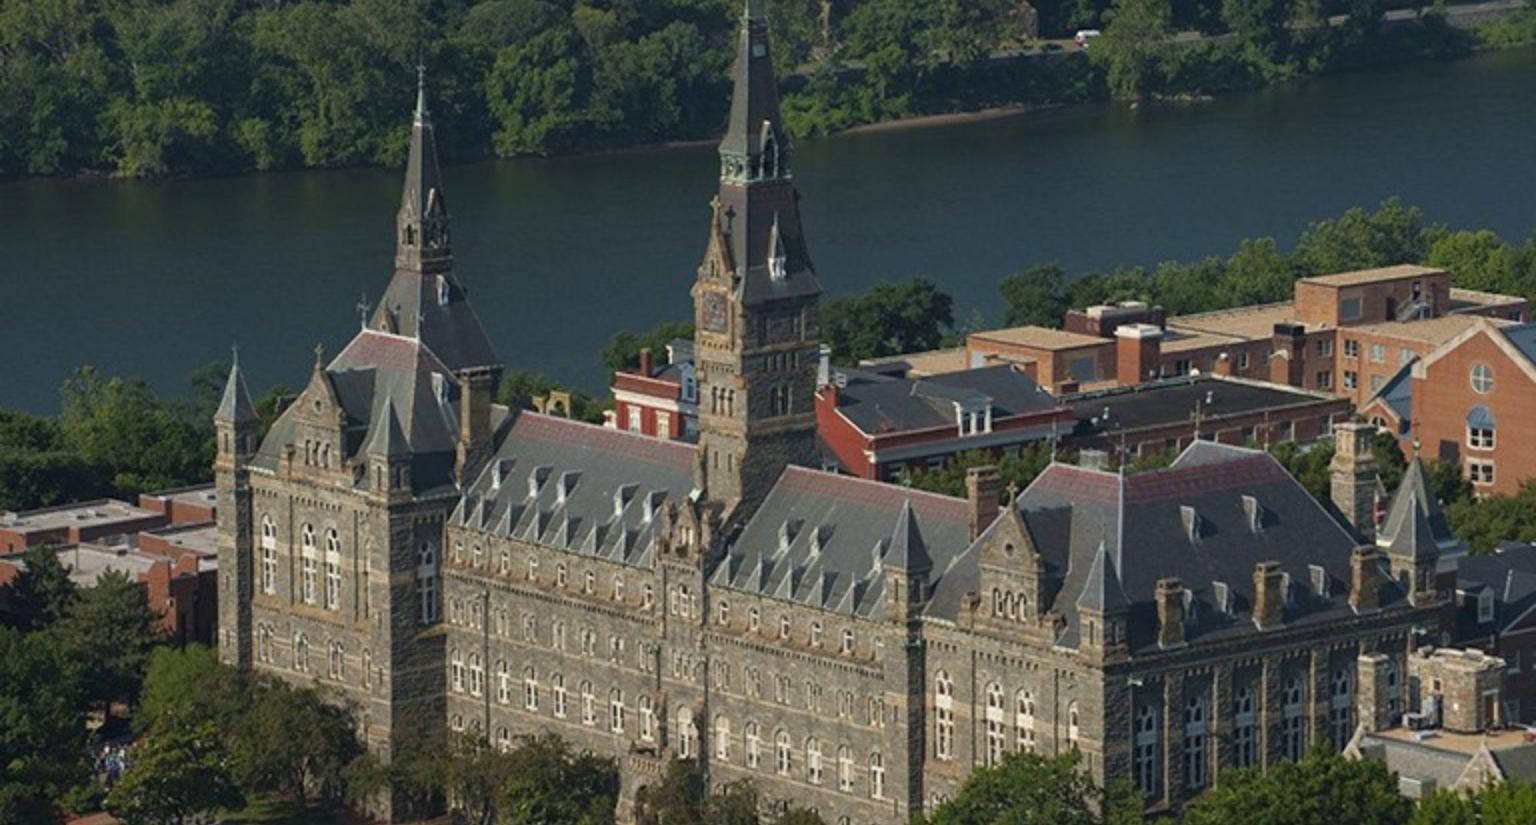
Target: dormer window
[
  {"x": 778, "y": 259},
  {"x": 443, "y": 292},
  {"x": 1485, "y": 606},
  {"x": 1319, "y": 580},
  {"x": 973, "y": 420}
]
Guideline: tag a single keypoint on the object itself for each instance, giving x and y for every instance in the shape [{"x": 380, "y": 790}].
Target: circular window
[{"x": 1482, "y": 378}]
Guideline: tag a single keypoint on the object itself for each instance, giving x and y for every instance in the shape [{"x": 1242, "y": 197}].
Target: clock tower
[{"x": 757, "y": 339}]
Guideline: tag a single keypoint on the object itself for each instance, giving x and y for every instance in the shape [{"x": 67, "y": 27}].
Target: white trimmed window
[
  {"x": 813, "y": 760},
  {"x": 332, "y": 570},
  {"x": 503, "y": 682},
  {"x": 647, "y": 719},
  {"x": 588, "y": 704},
  {"x": 1481, "y": 378},
  {"x": 1480, "y": 471},
  {"x": 876, "y": 776},
  {"x": 616, "y": 710},
  {"x": 557, "y": 681},
  {"x": 995, "y": 735},
  {"x": 530, "y": 689},
  {"x": 1194, "y": 743},
  {"x": 1024, "y": 720},
  {"x": 722, "y": 738},
  {"x": 944, "y": 716},
  {"x": 781, "y": 752},
  {"x": 754, "y": 744},
  {"x": 426, "y": 582},
  {"x": 268, "y": 556},
  {"x": 476, "y": 675},
  {"x": 1144, "y": 769},
  {"x": 844, "y": 769}
]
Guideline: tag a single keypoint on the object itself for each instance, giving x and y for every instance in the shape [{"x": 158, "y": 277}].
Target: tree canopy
[
  {"x": 890, "y": 318},
  {"x": 1321, "y": 787},
  {"x": 1029, "y": 789}
]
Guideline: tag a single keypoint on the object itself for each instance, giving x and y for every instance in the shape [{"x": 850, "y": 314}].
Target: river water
[{"x": 155, "y": 279}]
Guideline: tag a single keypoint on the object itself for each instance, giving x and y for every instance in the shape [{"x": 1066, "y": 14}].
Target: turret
[
  {"x": 1416, "y": 536},
  {"x": 235, "y": 423},
  {"x": 235, "y": 426},
  {"x": 906, "y": 567},
  {"x": 1353, "y": 476},
  {"x": 389, "y": 457}
]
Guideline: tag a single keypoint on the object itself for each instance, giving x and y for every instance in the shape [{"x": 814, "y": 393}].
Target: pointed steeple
[
  {"x": 908, "y": 550},
  {"x": 1415, "y": 525},
  {"x": 386, "y": 438},
  {"x": 424, "y": 299},
  {"x": 235, "y": 407},
  {"x": 422, "y": 242},
  {"x": 1102, "y": 591},
  {"x": 756, "y": 191}
]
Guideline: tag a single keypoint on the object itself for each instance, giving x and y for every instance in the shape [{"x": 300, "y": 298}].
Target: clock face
[{"x": 712, "y": 312}]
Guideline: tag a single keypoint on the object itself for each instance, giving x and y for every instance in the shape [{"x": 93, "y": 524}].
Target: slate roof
[
  {"x": 878, "y": 403},
  {"x": 826, "y": 540},
  {"x": 235, "y": 405},
  {"x": 1415, "y": 524},
  {"x": 1417, "y": 761},
  {"x": 1164, "y": 402},
  {"x": 1397, "y": 394},
  {"x": 379, "y": 375},
  {"x": 1510, "y": 572},
  {"x": 1523, "y": 337},
  {"x": 579, "y": 487},
  {"x": 1092, "y": 527}
]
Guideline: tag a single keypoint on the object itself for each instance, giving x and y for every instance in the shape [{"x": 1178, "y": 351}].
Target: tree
[
  {"x": 292, "y": 741},
  {"x": 890, "y": 319},
  {"x": 1501, "y": 803},
  {"x": 1390, "y": 462},
  {"x": 1035, "y": 297},
  {"x": 683, "y": 798},
  {"x": 1478, "y": 260},
  {"x": 520, "y": 387},
  {"x": 1028, "y": 789},
  {"x": 189, "y": 686},
  {"x": 147, "y": 442},
  {"x": 42, "y": 726},
  {"x": 43, "y": 593},
  {"x": 1393, "y": 234},
  {"x": 112, "y": 630},
  {"x": 1484, "y": 522},
  {"x": 547, "y": 782},
  {"x": 1133, "y": 47},
  {"x": 1262, "y": 25},
  {"x": 1013, "y": 470},
  {"x": 178, "y": 774},
  {"x": 1322, "y": 787},
  {"x": 622, "y": 352}
]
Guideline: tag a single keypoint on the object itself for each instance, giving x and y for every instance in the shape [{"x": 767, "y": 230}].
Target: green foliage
[
  {"x": 1013, "y": 470},
  {"x": 1028, "y": 789},
  {"x": 1322, "y": 787},
  {"x": 43, "y": 593},
  {"x": 545, "y": 781},
  {"x": 519, "y": 388},
  {"x": 187, "y": 686},
  {"x": 295, "y": 742},
  {"x": 1501, "y": 803},
  {"x": 1135, "y": 46},
  {"x": 178, "y": 775},
  {"x": 622, "y": 352},
  {"x": 1037, "y": 296},
  {"x": 1484, "y": 522},
  {"x": 683, "y": 798},
  {"x": 890, "y": 319},
  {"x": 1393, "y": 234},
  {"x": 42, "y": 726},
  {"x": 146, "y": 442},
  {"x": 110, "y": 628}
]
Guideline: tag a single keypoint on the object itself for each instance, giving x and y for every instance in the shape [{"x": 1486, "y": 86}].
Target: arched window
[
  {"x": 268, "y": 556},
  {"x": 309, "y": 566},
  {"x": 722, "y": 738},
  {"x": 1194, "y": 743},
  {"x": 264, "y": 644},
  {"x": 616, "y": 710},
  {"x": 1145, "y": 745},
  {"x": 1292, "y": 726},
  {"x": 300, "y": 652},
  {"x": 647, "y": 719},
  {"x": 781, "y": 751},
  {"x": 588, "y": 704},
  {"x": 476, "y": 675},
  {"x": 530, "y": 689},
  {"x": 456, "y": 671},
  {"x": 338, "y": 661},
  {"x": 558, "y": 683},
  {"x": 687, "y": 734},
  {"x": 332, "y": 569},
  {"x": 1244, "y": 730},
  {"x": 995, "y": 735},
  {"x": 503, "y": 739},
  {"x": 876, "y": 776},
  {"x": 426, "y": 582},
  {"x": 1024, "y": 719},
  {"x": 754, "y": 744},
  {"x": 844, "y": 769},
  {"x": 618, "y": 587},
  {"x": 847, "y": 646},
  {"x": 813, "y": 760},
  {"x": 1073, "y": 728},
  {"x": 944, "y": 716},
  {"x": 1341, "y": 706},
  {"x": 588, "y": 582}
]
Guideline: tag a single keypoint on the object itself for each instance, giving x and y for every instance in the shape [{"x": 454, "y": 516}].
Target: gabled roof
[
  {"x": 1397, "y": 394},
  {"x": 876, "y": 403},
  {"x": 385, "y": 438},
  {"x": 908, "y": 551},
  {"x": 1102, "y": 592}
]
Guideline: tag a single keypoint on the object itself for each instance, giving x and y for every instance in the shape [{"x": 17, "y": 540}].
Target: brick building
[
  {"x": 77, "y": 523},
  {"x": 659, "y": 400},
  {"x": 878, "y": 427}
]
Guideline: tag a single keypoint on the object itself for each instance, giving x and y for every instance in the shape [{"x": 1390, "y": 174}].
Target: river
[{"x": 157, "y": 278}]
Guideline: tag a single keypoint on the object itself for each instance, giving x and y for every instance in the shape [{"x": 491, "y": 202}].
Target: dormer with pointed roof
[
  {"x": 1416, "y": 535},
  {"x": 235, "y": 421}
]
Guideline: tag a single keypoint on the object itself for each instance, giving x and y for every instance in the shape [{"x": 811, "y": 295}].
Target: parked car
[{"x": 1084, "y": 35}]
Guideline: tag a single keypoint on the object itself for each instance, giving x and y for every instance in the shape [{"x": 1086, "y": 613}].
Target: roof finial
[
  {"x": 421, "y": 91},
  {"x": 362, "y": 310},
  {"x": 1415, "y": 446},
  {"x": 234, "y": 349},
  {"x": 319, "y": 357}
]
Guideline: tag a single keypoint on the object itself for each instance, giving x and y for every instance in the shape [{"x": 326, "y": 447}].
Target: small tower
[
  {"x": 1101, "y": 609},
  {"x": 235, "y": 427},
  {"x": 1416, "y": 535},
  {"x": 1353, "y": 476},
  {"x": 758, "y": 338},
  {"x": 389, "y": 457},
  {"x": 906, "y": 566}
]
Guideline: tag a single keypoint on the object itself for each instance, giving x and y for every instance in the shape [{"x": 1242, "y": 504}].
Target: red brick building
[
  {"x": 658, "y": 400},
  {"x": 84, "y": 521}
]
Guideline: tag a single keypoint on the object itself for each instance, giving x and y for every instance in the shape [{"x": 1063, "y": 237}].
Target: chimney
[
  {"x": 1137, "y": 348},
  {"x": 1373, "y": 696},
  {"x": 983, "y": 495},
  {"x": 476, "y": 388},
  {"x": 1170, "y": 613},
  {"x": 824, "y": 366},
  {"x": 1222, "y": 365},
  {"x": 1352, "y": 474},
  {"x": 1268, "y": 595},
  {"x": 1364, "y": 582},
  {"x": 1290, "y": 348},
  {"x": 645, "y": 361}
]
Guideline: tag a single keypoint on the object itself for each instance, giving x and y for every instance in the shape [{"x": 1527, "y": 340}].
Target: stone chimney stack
[
  {"x": 477, "y": 388},
  {"x": 1353, "y": 476},
  {"x": 1268, "y": 595},
  {"x": 983, "y": 495},
  {"x": 1170, "y": 613},
  {"x": 1373, "y": 698},
  {"x": 1137, "y": 348},
  {"x": 1364, "y": 581}
]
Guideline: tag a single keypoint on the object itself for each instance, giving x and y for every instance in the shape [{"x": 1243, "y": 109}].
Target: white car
[{"x": 1084, "y": 35}]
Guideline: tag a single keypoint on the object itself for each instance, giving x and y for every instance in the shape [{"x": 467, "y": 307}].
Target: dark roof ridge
[{"x": 895, "y": 489}]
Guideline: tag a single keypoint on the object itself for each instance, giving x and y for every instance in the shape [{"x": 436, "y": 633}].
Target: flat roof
[
  {"x": 920, "y": 364},
  {"x": 1249, "y": 323},
  {"x": 1432, "y": 331},
  {"x": 1371, "y": 276},
  {"x": 201, "y": 494},
  {"x": 80, "y": 514},
  {"x": 1478, "y": 298},
  {"x": 1041, "y": 338},
  {"x": 1172, "y": 401},
  {"x": 201, "y": 539},
  {"x": 1466, "y": 743}
]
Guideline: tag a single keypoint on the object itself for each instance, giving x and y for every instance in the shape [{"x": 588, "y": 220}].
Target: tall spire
[
  {"x": 424, "y": 300},
  {"x": 422, "y": 241},
  {"x": 235, "y": 407}
]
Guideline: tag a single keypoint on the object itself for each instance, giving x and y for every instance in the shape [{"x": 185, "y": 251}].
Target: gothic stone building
[{"x": 854, "y": 646}]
